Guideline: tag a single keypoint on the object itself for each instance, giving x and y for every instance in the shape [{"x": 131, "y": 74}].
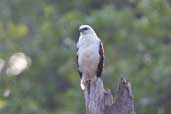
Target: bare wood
[{"x": 99, "y": 101}]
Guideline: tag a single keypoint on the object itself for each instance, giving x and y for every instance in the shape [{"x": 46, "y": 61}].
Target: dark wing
[
  {"x": 80, "y": 73},
  {"x": 100, "y": 65}
]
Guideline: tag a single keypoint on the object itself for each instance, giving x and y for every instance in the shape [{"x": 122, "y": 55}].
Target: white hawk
[{"x": 90, "y": 56}]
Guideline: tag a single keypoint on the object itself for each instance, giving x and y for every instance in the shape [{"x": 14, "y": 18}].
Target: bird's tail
[{"x": 88, "y": 87}]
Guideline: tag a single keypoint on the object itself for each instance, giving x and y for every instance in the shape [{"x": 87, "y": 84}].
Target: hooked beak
[{"x": 80, "y": 30}]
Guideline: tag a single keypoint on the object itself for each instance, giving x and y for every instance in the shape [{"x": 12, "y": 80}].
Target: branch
[{"x": 99, "y": 101}]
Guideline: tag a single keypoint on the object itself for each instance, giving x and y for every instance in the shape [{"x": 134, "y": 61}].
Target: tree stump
[{"x": 99, "y": 101}]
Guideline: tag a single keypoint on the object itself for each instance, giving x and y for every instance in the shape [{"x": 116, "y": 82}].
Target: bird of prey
[{"x": 89, "y": 56}]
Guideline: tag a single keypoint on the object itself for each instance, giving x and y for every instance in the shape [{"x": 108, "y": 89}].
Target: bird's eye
[{"x": 85, "y": 28}]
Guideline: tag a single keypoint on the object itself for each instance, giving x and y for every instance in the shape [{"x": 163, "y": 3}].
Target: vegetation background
[{"x": 38, "y": 73}]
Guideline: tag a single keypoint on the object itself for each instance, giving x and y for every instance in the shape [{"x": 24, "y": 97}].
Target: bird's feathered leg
[{"x": 82, "y": 84}]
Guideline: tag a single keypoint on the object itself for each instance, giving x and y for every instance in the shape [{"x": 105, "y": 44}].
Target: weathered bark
[{"x": 99, "y": 101}]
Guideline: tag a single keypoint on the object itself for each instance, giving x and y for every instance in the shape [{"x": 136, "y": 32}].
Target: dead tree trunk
[{"x": 99, "y": 101}]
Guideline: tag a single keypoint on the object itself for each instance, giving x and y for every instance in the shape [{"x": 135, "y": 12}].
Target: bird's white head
[{"x": 86, "y": 30}]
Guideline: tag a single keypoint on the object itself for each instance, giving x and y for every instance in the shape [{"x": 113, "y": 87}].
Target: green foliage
[{"x": 137, "y": 41}]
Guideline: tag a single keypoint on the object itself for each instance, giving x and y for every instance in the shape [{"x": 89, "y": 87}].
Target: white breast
[
  {"x": 88, "y": 55},
  {"x": 88, "y": 45}
]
